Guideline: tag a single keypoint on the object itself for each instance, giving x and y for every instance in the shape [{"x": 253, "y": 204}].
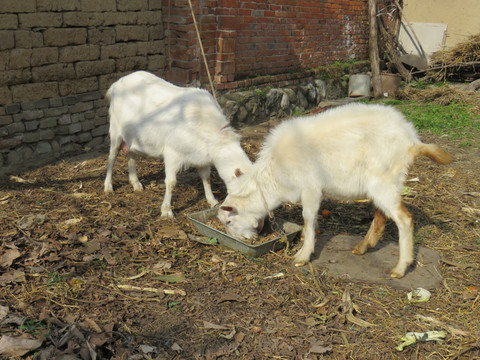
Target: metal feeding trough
[{"x": 290, "y": 230}]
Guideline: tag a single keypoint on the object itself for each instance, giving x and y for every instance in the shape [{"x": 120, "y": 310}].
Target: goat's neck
[{"x": 267, "y": 188}]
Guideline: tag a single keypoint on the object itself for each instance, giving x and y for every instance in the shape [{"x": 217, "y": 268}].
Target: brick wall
[
  {"x": 245, "y": 39},
  {"x": 57, "y": 58}
]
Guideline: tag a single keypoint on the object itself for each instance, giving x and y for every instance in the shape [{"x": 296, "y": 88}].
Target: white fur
[
  {"x": 185, "y": 126},
  {"x": 355, "y": 151}
]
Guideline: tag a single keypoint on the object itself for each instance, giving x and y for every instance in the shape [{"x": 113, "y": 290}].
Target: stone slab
[{"x": 335, "y": 255}]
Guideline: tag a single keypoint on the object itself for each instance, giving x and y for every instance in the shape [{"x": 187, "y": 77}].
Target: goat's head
[{"x": 239, "y": 223}]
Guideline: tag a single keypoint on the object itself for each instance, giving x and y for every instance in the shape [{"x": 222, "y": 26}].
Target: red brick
[
  {"x": 225, "y": 68},
  {"x": 226, "y": 45}
]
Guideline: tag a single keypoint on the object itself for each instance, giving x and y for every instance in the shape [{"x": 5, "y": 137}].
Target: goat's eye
[{"x": 228, "y": 222}]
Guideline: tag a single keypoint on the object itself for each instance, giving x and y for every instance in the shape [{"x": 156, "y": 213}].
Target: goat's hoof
[
  {"x": 137, "y": 185},
  {"x": 358, "y": 252},
  {"x": 361, "y": 248},
  {"x": 395, "y": 275},
  {"x": 167, "y": 215},
  {"x": 108, "y": 189},
  {"x": 300, "y": 263}
]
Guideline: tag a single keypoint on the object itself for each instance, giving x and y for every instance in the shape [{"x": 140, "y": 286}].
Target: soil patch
[{"x": 87, "y": 275}]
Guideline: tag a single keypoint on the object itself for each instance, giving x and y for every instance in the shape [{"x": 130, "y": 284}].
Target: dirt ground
[{"x": 95, "y": 276}]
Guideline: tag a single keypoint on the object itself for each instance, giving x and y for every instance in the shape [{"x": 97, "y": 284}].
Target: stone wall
[
  {"x": 289, "y": 94},
  {"x": 57, "y": 58}
]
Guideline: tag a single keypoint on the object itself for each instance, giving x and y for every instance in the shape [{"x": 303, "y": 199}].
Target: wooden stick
[{"x": 373, "y": 46}]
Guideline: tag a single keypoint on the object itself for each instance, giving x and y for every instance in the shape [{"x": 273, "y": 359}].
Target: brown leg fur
[{"x": 373, "y": 234}]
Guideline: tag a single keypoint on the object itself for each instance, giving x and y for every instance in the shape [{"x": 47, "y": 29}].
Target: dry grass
[
  {"x": 460, "y": 61},
  {"x": 440, "y": 95}
]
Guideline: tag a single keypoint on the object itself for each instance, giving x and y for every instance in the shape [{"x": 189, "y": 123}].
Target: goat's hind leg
[
  {"x": 115, "y": 143},
  {"x": 132, "y": 172},
  {"x": 373, "y": 235},
  {"x": 403, "y": 220}
]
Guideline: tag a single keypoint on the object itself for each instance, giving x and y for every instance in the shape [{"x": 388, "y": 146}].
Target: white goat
[
  {"x": 184, "y": 125},
  {"x": 355, "y": 151}
]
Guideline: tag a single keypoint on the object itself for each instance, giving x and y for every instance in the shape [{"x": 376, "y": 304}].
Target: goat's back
[
  {"x": 343, "y": 150},
  {"x": 146, "y": 111}
]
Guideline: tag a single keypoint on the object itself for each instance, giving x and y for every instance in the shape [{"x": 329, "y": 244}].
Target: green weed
[{"x": 457, "y": 121}]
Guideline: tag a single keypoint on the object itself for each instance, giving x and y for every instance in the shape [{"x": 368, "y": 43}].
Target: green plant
[
  {"x": 260, "y": 92},
  {"x": 298, "y": 112},
  {"x": 32, "y": 326},
  {"x": 54, "y": 278},
  {"x": 455, "y": 120}
]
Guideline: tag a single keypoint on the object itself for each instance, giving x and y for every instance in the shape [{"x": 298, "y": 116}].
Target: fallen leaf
[
  {"x": 209, "y": 325},
  {"x": 98, "y": 340},
  {"x": 319, "y": 349},
  {"x": 230, "y": 297},
  {"x": 92, "y": 246},
  {"x": 175, "y": 278},
  {"x": 12, "y": 276},
  {"x": 146, "y": 349},
  {"x": 470, "y": 293},
  {"x": 162, "y": 264},
  {"x": 70, "y": 222},
  {"x": 3, "y": 311},
  {"x": 14, "y": 346},
  {"x": 230, "y": 335},
  {"x": 93, "y": 325},
  {"x": 176, "y": 347},
  {"x": 172, "y": 233},
  {"x": 19, "y": 180},
  {"x": 108, "y": 257},
  {"x": 28, "y": 221},
  {"x": 7, "y": 258},
  {"x": 203, "y": 239}
]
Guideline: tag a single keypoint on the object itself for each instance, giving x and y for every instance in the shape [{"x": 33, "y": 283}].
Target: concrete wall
[{"x": 462, "y": 17}]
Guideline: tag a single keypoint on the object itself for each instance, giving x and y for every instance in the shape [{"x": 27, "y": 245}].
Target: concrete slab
[
  {"x": 431, "y": 36},
  {"x": 335, "y": 255}
]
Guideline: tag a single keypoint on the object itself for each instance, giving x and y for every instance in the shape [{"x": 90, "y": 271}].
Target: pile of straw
[{"x": 459, "y": 63}]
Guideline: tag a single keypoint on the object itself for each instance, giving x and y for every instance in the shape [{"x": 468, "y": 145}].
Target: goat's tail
[
  {"x": 434, "y": 152},
  {"x": 108, "y": 95}
]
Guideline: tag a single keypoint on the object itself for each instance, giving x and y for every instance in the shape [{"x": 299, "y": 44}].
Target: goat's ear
[
  {"x": 238, "y": 173},
  {"x": 227, "y": 208}
]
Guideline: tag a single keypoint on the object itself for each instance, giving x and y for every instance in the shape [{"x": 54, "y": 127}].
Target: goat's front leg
[
  {"x": 204, "y": 173},
  {"x": 172, "y": 166},
  {"x": 310, "y": 203}
]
